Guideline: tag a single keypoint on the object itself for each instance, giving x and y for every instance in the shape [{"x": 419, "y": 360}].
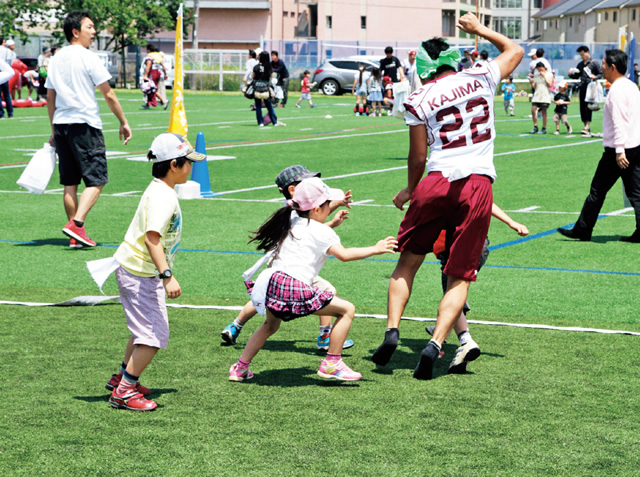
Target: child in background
[
  {"x": 375, "y": 92},
  {"x": 287, "y": 181},
  {"x": 509, "y": 88},
  {"x": 387, "y": 86},
  {"x": 146, "y": 257},
  {"x": 360, "y": 90},
  {"x": 284, "y": 291},
  {"x": 306, "y": 90},
  {"x": 562, "y": 100}
]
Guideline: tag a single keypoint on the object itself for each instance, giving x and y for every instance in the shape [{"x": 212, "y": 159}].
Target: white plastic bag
[
  {"x": 38, "y": 172},
  {"x": 594, "y": 95},
  {"x": 401, "y": 92}
]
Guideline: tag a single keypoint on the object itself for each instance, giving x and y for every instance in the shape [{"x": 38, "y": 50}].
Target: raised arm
[{"x": 510, "y": 52}]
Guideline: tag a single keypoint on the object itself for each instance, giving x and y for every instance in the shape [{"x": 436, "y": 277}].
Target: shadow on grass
[
  {"x": 606, "y": 238},
  {"x": 295, "y": 377},
  {"x": 63, "y": 242},
  {"x": 296, "y": 346},
  {"x": 105, "y": 397}
]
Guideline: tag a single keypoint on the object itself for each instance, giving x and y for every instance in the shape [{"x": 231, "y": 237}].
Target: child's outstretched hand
[
  {"x": 387, "y": 245},
  {"x": 522, "y": 230},
  {"x": 346, "y": 202},
  {"x": 340, "y": 216}
]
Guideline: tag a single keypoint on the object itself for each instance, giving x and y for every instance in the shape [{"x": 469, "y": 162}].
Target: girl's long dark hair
[
  {"x": 265, "y": 61},
  {"x": 272, "y": 233},
  {"x": 376, "y": 74}
]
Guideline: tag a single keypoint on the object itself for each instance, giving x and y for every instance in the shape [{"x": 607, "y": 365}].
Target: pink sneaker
[
  {"x": 73, "y": 231},
  {"x": 239, "y": 374},
  {"x": 339, "y": 371},
  {"x": 131, "y": 400}
]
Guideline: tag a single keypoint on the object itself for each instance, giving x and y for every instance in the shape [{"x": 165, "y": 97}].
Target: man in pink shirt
[{"x": 621, "y": 141}]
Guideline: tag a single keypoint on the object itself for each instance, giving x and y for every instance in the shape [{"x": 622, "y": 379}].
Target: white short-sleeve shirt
[
  {"x": 74, "y": 73},
  {"x": 304, "y": 252},
  {"x": 457, "y": 111}
]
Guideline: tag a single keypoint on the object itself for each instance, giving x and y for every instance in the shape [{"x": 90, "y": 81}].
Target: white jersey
[{"x": 457, "y": 111}]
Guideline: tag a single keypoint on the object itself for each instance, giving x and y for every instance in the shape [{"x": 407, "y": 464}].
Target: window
[
  {"x": 511, "y": 27},
  {"x": 570, "y": 21},
  {"x": 615, "y": 16},
  {"x": 285, "y": 14},
  {"x": 329, "y": 22},
  {"x": 449, "y": 23},
  {"x": 508, "y": 4},
  {"x": 537, "y": 3},
  {"x": 557, "y": 24},
  {"x": 363, "y": 23},
  {"x": 292, "y": 14},
  {"x": 599, "y": 18},
  {"x": 544, "y": 25},
  {"x": 633, "y": 14},
  {"x": 606, "y": 16},
  {"x": 537, "y": 25}
]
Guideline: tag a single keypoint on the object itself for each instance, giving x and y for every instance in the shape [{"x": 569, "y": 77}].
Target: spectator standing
[
  {"x": 359, "y": 89},
  {"x": 586, "y": 71},
  {"x": 636, "y": 73},
  {"x": 621, "y": 157},
  {"x": 281, "y": 70},
  {"x": 7, "y": 55},
  {"x": 43, "y": 63},
  {"x": 152, "y": 72},
  {"x": 466, "y": 62},
  {"x": 409, "y": 70},
  {"x": 537, "y": 56},
  {"x": 390, "y": 66},
  {"x": 262, "y": 77},
  {"x": 375, "y": 92},
  {"x": 250, "y": 64},
  {"x": 562, "y": 100},
  {"x": 76, "y": 127},
  {"x": 457, "y": 193},
  {"x": 541, "y": 97},
  {"x": 158, "y": 57}
]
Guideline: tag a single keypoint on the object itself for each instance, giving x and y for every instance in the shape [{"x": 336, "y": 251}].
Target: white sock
[
  {"x": 237, "y": 324},
  {"x": 464, "y": 337},
  {"x": 437, "y": 345},
  {"x": 325, "y": 330}
]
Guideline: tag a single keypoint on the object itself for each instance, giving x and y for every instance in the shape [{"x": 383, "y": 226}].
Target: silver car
[{"x": 336, "y": 75}]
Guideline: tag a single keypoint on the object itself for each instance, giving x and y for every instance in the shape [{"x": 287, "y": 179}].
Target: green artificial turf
[{"x": 536, "y": 402}]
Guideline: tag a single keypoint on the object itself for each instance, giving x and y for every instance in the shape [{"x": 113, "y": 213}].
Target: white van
[{"x": 111, "y": 62}]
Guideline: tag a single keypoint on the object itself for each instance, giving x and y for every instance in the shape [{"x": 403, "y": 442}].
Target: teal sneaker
[
  {"x": 323, "y": 343},
  {"x": 230, "y": 334}
]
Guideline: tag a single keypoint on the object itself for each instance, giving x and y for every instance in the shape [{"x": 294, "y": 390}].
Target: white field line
[
  {"x": 164, "y": 126},
  {"x": 547, "y": 147},
  {"x": 369, "y": 315}
]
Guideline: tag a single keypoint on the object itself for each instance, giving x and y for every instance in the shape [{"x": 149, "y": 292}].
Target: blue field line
[{"x": 524, "y": 239}]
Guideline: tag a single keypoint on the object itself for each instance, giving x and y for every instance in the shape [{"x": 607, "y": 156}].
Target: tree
[
  {"x": 126, "y": 22},
  {"x": 17, "y": 15}
]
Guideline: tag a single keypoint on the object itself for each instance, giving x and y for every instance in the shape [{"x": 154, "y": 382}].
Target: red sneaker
[
  {"x": 115, "y": 381},
  {"x": 78, "y": 233},
  {"x": 131, "y": 400}
]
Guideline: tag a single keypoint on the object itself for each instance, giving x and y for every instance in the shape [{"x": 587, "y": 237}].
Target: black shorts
[{"x": 81, "y": 155}]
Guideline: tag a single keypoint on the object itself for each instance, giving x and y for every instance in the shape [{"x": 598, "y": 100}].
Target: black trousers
[{"x": 607, "y": 174}]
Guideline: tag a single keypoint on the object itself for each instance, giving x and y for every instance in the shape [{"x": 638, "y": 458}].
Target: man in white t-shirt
[
  {"x": 452, "y": 118},
  {"x": 76, "y": 128}
]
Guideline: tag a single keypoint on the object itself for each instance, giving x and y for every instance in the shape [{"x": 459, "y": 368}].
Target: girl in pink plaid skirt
[{"x": 301, "y": 243}]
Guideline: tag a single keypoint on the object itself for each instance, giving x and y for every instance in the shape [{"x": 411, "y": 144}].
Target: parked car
[
  {"x": 336, "y": 75},
  {"x": 168, "y": 64},
  {"x": 112, "y": 63}
]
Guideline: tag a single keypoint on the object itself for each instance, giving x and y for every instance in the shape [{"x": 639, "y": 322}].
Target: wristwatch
[{"x": 166, "y": 274}]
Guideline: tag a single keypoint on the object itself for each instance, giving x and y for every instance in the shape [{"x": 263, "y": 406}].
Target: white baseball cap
[
  {"x": 10, "y": 43},
  {"x": 532, "y": 52},
  {"x": 312, "y": 193},
  {"x": 170, "y": 146}
]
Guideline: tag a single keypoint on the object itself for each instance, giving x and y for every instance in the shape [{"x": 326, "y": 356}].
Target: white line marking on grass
[
  {"x": 362, "y": 202},
  {"x": 529, "y": 209},
  {"x": 224, "y": 127},
  {"x": 620, "y": 212},
  {"x": 27, "y": 120},
  {"x": 82, "y": 301},
  {"x": 293, "y": 141},
  {"x": 124, "y": 194},
  {"x": 249, "y": 189},
  {"x": 546, "y": 147},
  {"x": 541, "y": 212},
  {"x": 306, "y": 129}
]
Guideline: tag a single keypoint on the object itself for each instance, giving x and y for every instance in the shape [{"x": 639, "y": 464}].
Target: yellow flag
[{"x": 178, "y": 120}]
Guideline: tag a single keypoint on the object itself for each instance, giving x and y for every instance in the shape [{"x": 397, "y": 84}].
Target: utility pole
[
  {"x": 477, "y": 15},
  {"x": 194, "y": 35}
]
